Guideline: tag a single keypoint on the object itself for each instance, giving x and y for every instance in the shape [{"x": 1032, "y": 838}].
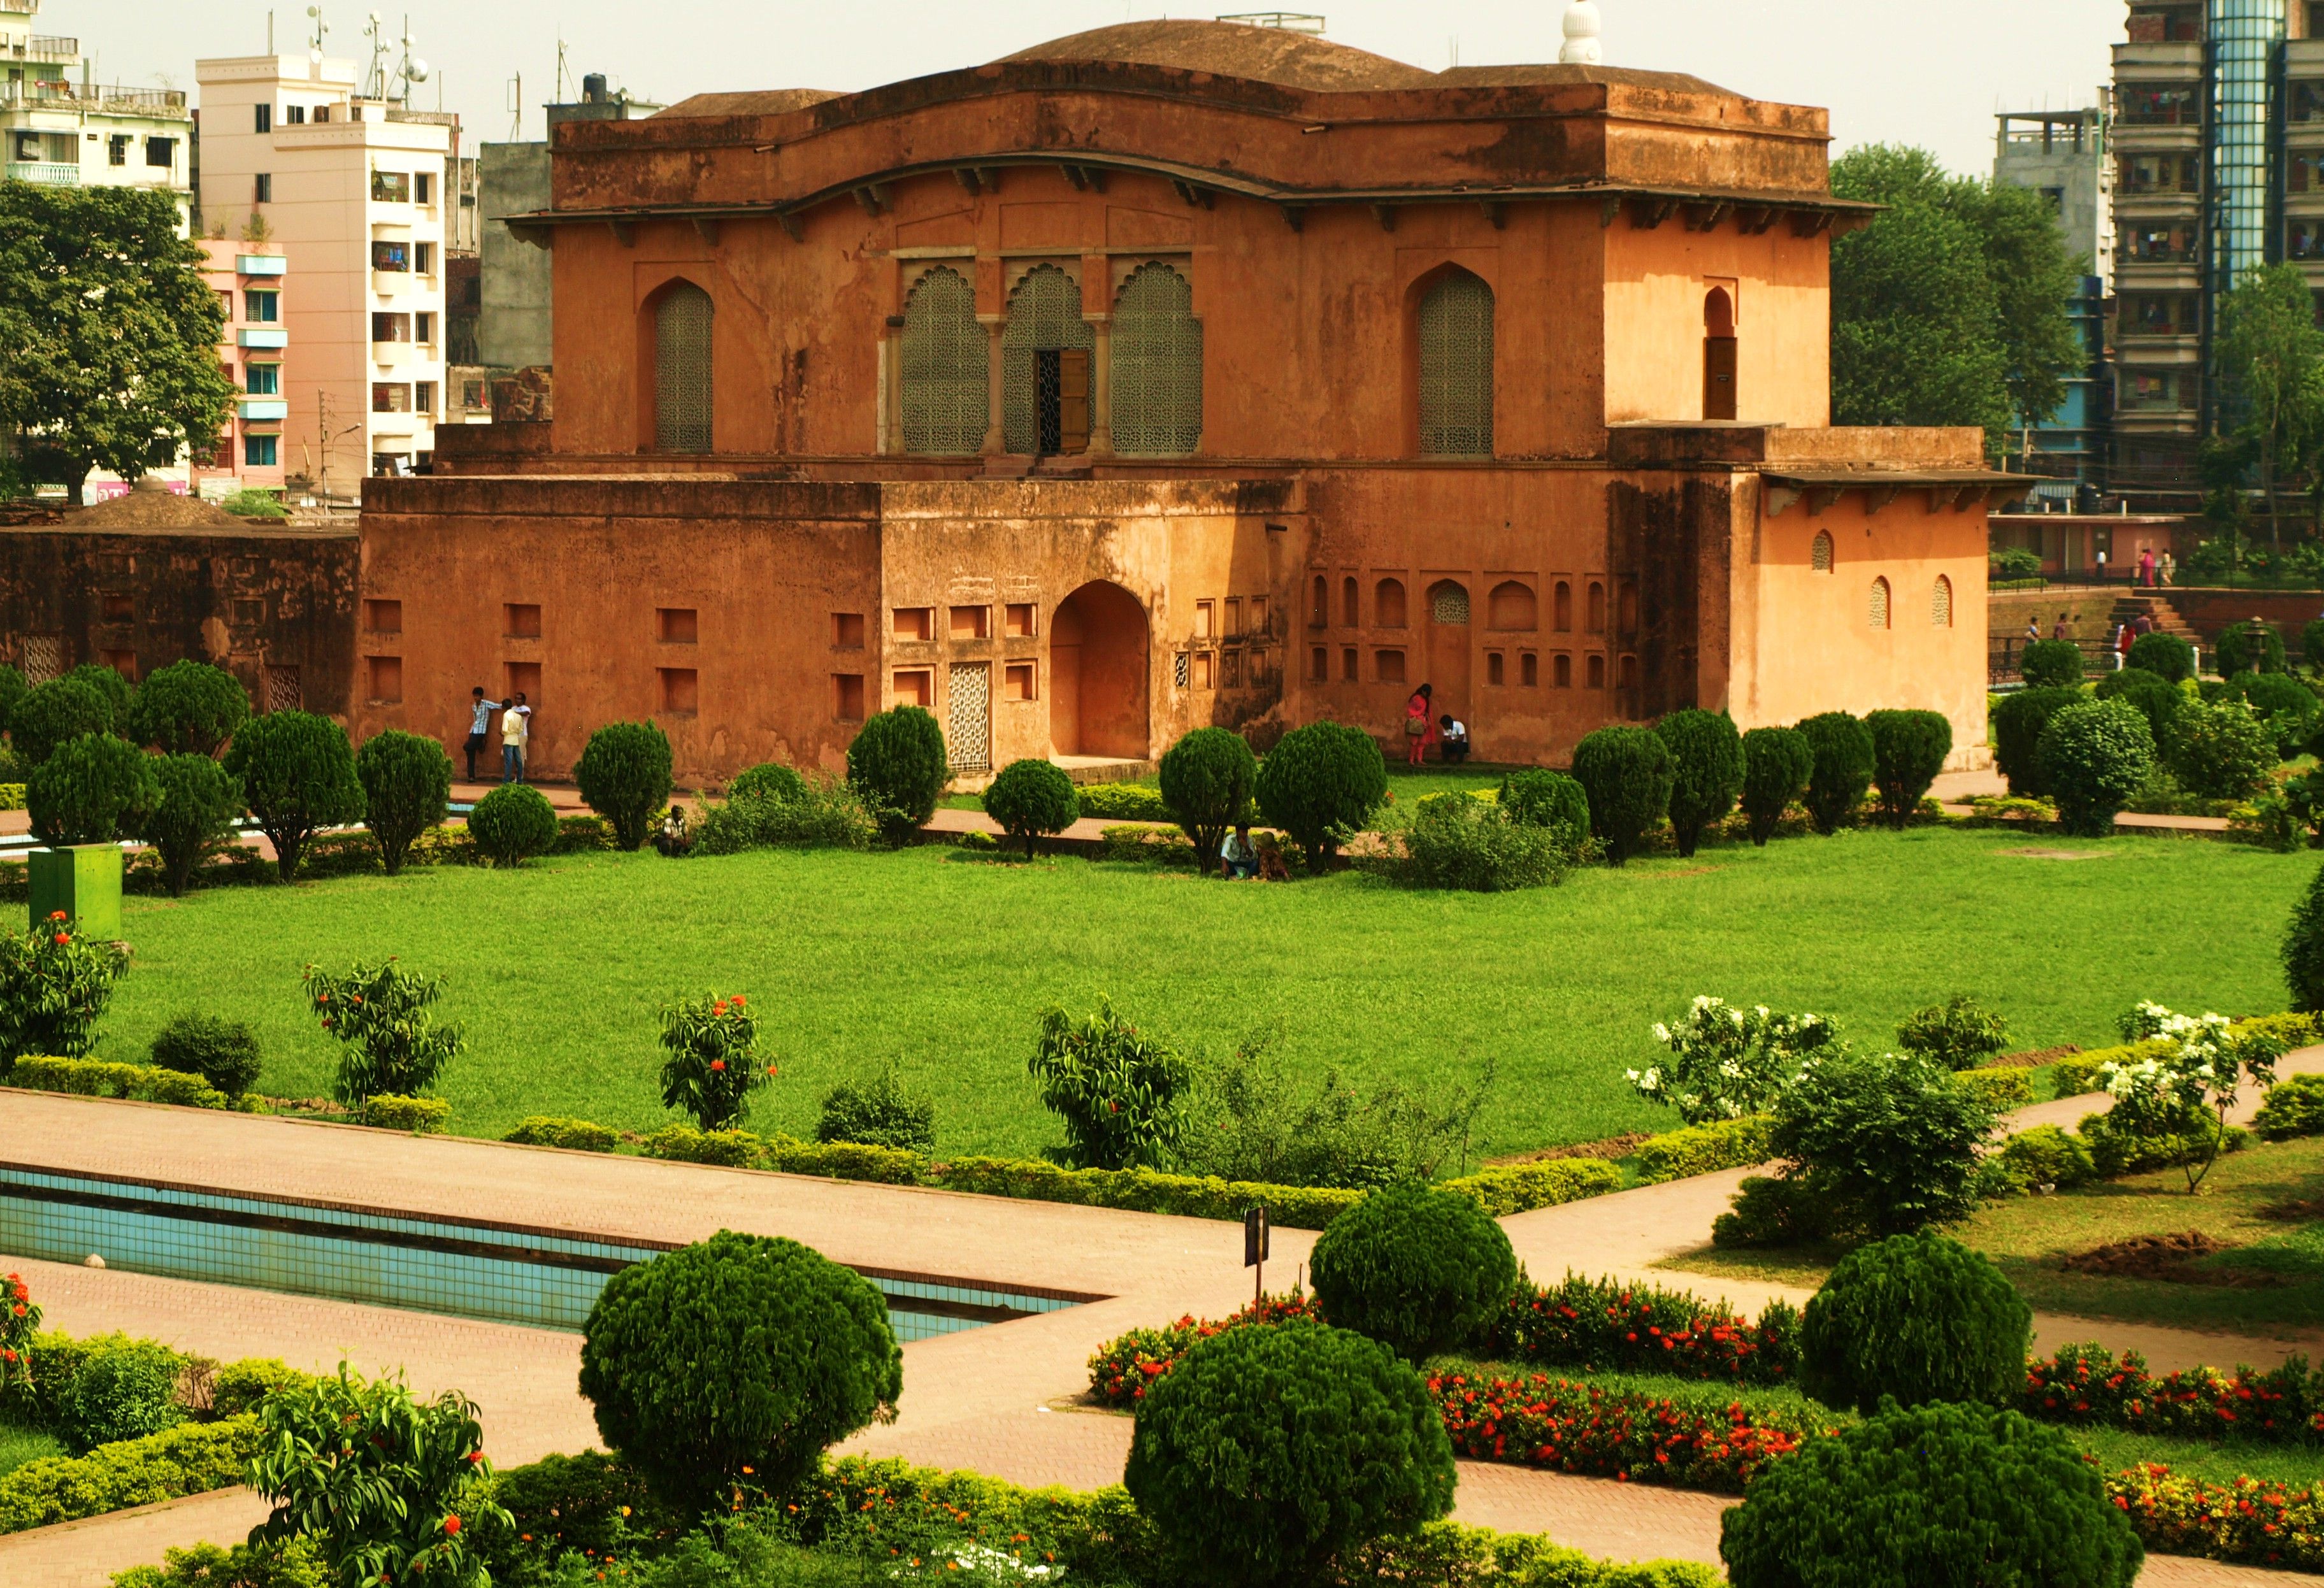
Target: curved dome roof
[{"x": 1236, "y": 49}]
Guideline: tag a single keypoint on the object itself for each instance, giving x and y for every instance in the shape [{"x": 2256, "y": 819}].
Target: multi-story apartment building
[
  {"x": 2064, "y": 155},
  {"x": 58, "y": 124},
  {"x": 352, "y": 192},
  {"x": 254, "y": 348}
]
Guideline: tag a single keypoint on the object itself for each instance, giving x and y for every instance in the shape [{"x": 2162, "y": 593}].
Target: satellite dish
[
  {"x": 315, "y": 56},
  {"x": 417, "y": 71}
]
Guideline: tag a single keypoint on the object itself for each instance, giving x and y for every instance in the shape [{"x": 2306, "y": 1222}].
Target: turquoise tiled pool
[{"x": 505, "y": 1272}]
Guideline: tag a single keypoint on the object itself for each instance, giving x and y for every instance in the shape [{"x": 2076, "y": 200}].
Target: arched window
[
  {"x": 1348, "y": 614},
  {"x": 1820, "y": 553},
  {"x": 1718, "y": 355},
  {"x": 1626, "y": 672},
  {"x": 1596, "y": 672},
  {"x": 1158, "y": 363},
  {"x": 1044, "y": 365},
  {"x": 1596, "y": 607},
  {"x": 682, "y": 416},
  {"x": 1319, "y": 610},
  {"x": 1387, "y": 604},
  {"x": 946, "y": 366},
  {"x": 1456, "y": 367},
  {"x": 1880, "y": 603},
  {"x": 1448, "y": 603},
  {"x": 1940, "y": 604},
  {"x": 1511, "y": 607},
  {"x": 1561, "y": 607}
]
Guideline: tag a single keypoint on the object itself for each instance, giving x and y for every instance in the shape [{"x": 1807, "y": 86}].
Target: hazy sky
[{"x": 1931, "y": 73}]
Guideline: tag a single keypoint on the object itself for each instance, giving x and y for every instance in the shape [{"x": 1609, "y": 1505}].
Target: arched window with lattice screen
[
  {"x": 1820, "y": 553},
  {"x": 1448, "y": 603},
  {"x": 682, "y": 410},
  {"x": 1158, "y": 363},
  {"x": 947, "y": 397},
  {"x": 1940, "y": 603},
  {"x": 1045, "y": 354},
  {"x": 1880, "y": 603},
  {"x": 1456, "y": 367}
]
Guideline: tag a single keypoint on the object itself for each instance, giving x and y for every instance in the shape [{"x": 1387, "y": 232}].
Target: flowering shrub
[
  {"x": 2188, "y": 1088},
  {"x": 1539, "y": 1421},
  {"x": 714, "y": 1064},
  {"x": 54, "y": 984},
  {"x": 1727, "y": 1062},
  {"x": 1601, "y": 1325},
  {"x": 1123, "y": 1367},
  {"x": 20, "y": 1316},
  {"x": 2248, "y": 1520},
  {"x": 391, "y": 1044},
  {"x": 1117, "y": 1092},
  {"x": 2089, "y": 1386}
]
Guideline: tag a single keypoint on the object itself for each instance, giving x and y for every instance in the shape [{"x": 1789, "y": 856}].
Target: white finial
[{"x": 1581, "y": 48}]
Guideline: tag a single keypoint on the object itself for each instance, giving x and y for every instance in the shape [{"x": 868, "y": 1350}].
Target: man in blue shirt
[{"x": 479, "y": 725}]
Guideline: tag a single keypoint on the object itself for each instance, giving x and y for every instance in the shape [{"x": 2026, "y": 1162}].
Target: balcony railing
[
  {"x": 38, "y": 171},
  {"x": 21, "y": 7},
  {"x": 169, "y": 103},
  {"x": 55, "y": 47}
]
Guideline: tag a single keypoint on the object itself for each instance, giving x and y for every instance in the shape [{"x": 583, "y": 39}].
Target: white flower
[{"x": 1662, "y": 1033}]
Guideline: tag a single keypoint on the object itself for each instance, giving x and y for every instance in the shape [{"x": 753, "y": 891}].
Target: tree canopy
[
  {"x": 1950, "y": 307},
  {"x": 109, "y": 334},
  {"x": 2271, "y": 373}
]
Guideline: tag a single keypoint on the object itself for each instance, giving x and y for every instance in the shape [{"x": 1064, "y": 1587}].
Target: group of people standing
[
  {"x": 1447, "y": 732},
  {"x": 515, "y": 729}
]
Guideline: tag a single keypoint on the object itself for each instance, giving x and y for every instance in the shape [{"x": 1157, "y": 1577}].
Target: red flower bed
[
  {"x": 1125, "y": 1365},
  {"x": 1539, "y": 1421},
  {"x": 1644, "y": 1328},
  {"x": 2088, "y": 1385},
  {"x": 2263, "y": 1524}
]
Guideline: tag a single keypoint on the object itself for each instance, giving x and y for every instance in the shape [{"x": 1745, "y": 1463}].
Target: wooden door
[
  {"x": 1073, "y": 399},
  {"x": 1718, "y": 377}
]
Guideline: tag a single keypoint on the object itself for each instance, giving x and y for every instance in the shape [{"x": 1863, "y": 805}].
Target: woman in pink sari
[{"x": 1419, "y": 726}]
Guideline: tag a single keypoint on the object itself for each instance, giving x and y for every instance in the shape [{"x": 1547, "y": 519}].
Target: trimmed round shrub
[
  {"x": 1908, "y": 751},
  {"x": 770, "y": 780},
  {"x": 197, "y": 804},
  {"x": 2287, "y": 705},
  {"x": 512, "y": 823},
  {"x": 2095, "y": 756},
  {"x": 1777, "y": 765},
  {"x": 119, "y": 693},
  {"x": 222, "y": 1052},
  {"x": 2167, "y": 656},
  {"x": 2303, "y": 949},
  {"x": 1539, "y": 798},
  {"x": 1842, "y": 770},
  {"x": 1322, "y": 776},
  {"x": 2240, "y": 649},
  {"x": 2219, "y": 749},
  {"x": 188, "y": 708},
  {"x": 738, "y": 1351},
  {"x": 2156, "y": 699},
  {"x": 123, "y": 1390},
  {"x": 880, "y": 1112},
  {"x": 1919, "y": 1317},
  {"x": 1887, "y": 1145},
  {"x": 900, "y": 765},
  {"x": 92, "y": 790},
  {"x": 624, "y": 775},
  {"x": 1206, "y": 782},
  {"x": 54, "y": 713},
  {"x": 1266, "y": 1453},
  {"x": 1031, "y": 797},
  {"x": 297, "y": 775},
  {"x": 1938, "y": 1494},
  {"x": 2017, "y": 724},
  {"x": 1626, "y": 773},
  {"x": 1418, "y": 1268},
  {"x": 407, "y": 784},
  {"x": 2050, "y": 664},
  {"x": 1706, "y": 756}
]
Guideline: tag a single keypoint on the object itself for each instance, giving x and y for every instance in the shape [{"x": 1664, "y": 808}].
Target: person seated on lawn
[
  {"x": 1454, "y": 734},
  {"x": 1238, "y": 858},
  {"x": 673, "y": 840}
]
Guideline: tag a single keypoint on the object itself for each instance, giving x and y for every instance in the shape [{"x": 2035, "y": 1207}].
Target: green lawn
[
  {"x": 942, "y": 965},
  {"x": 19, "y": 1444},
  {"x": 1402, "y": 783}
]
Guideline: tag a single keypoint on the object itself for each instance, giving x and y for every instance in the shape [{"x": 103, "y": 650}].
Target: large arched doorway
[{"x": 1098, "y": 673}]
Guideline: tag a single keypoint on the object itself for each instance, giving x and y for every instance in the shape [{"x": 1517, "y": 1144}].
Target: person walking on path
[
  {"x": 1418, "y": 730},
  {"x": 480, "y": 723},
  {"x": 514, "y": 731},
  {"x": 2122, "y": 640},
  {"x": 2058, "y": 629}
]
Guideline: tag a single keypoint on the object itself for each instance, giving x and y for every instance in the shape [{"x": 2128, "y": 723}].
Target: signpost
[{"x": 1254, "y": 1249}]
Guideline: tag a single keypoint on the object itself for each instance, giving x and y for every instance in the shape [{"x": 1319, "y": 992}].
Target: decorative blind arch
[
  {"x": 1940, "y": 603},
  {"x": 1045, "y": 314},
  {"x": 1158, "y": 363},
  {"x": 1387, "y": 604},
  {"x": 1456, "y": 367},
  {"x": 682, "y": 403},
  {"x": 946, "y": 366},
  {"x": 1511, "y": 605},
  {"x": 1880, "y": 603},
  {"x": 1820, "y": 553}
]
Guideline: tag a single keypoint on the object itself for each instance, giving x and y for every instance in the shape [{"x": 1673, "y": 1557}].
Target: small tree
[
  {"x": 723, "y": 1369},
  {"x": 2303, "y": 949},
  {"x": 1320, "y": 782},
  {"x": 1030, "y": 798},
  {"x": 879, "y": 1112},
  {"x": 624, "y": 776},
  {"x": 120, "y": 693},
  {"x": 1117, "y": 1092},
  {"x": 2050, "y": 664},
  {"x": 54, "y": 713},
  {"x": 198, "y": 802},
  {"x": 2149, "y": 695},
  {"x": 298, "y": 776},
  {"x": 188, "y": 708},
  {"x": 1206, "y": 782},
  {"x": 1706, "y": 771},
  {"x": 1959, "y": 1033},
  {"x": 2167, "y": 656},
  {"x": 2017, "y": 725},
  {"x": 391, "y": 1045},
  {"x": 1917, "y": 1318},
  {"x": 899, "y": 764},
  {"x": 1777, "y": 765},
  {"x": 1908, "y": 751},
  {"x": 407, "y": 784},
  {"x": 1418, "y": 1268},
  {"x": 1727, "y": 1062},
  {"x": 92, "y": 791},
  {"x": 1266, "y": 1453},
  {"x": 2190, "y": 1089},
  {"x": 1887, "y": 1144},
  {"x": 1626, "y": 774},
  {"x": 714, "y": 1063},
  {"x": 512, "y": 824},
  {"x": 2095, "y": 757},
  {"x": 2219, "y": 749},
  {"x": 1539, "y": 798},
  {"x": 1842, "y": 770},
  {"x": 222, "y": 1052},
  {"x": 387, "y": 1488},
  {"x": 54, "y": 986}
]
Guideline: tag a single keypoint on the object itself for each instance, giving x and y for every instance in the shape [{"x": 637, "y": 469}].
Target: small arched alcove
[
  {"x": 675, "y": 331},
  {"x": 1718, "y": 355},
  {"x": 1097, "y": 674}
]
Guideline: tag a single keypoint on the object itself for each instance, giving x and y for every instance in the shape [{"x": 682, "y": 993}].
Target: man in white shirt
[
  {"x": 1453, "y": 737},
  {"x": 515, "y": 729}
]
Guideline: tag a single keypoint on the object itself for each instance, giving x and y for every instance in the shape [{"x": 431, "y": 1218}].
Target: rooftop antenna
[
  {"x": 1581, "y": 28},
  {"x": 516, "y": 109},
  {"x": 322, "y": 28},
  {"x": 564, "y": 91}
]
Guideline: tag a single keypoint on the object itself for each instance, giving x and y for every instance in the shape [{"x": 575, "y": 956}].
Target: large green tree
[
  {"x": 2271, "y": 374},
  {"x": 1950, "y": 307},
  {"x": 109, "y": 334}
]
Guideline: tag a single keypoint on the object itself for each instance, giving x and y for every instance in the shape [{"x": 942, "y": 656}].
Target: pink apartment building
[{"x": 249, "y": 282}]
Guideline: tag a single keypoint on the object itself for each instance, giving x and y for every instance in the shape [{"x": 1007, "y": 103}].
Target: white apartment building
[
  {"x": 350, "y": 191},
  {"x": 57, "y": 126}
]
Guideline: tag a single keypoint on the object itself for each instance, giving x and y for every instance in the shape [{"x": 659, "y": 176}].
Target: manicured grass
[
  {"x": 2028, "y": 1236},
  {"x": 19, "y": 1444},
  {"x": 1404, "y": 784},
  {"x": 943, "y": 967}
]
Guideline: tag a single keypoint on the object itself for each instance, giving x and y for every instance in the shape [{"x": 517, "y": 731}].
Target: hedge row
[
  {"x": 2077, "y": 1073},
  {"x": 1705, "y": 1149},
  {"x": 191, "y": 1458},
  {"x": 422, "y": 1116},
  {"x": 91, "y": 1078}
]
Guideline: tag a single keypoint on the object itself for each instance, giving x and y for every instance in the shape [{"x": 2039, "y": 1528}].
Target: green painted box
[{"x": 84, "y": 881}]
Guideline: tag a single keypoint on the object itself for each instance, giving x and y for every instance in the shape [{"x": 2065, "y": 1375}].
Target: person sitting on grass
[{"x": 1237, "y": 858}]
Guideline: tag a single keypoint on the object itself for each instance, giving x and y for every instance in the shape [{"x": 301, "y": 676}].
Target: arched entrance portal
[{"x": 1097, "y": 674}]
